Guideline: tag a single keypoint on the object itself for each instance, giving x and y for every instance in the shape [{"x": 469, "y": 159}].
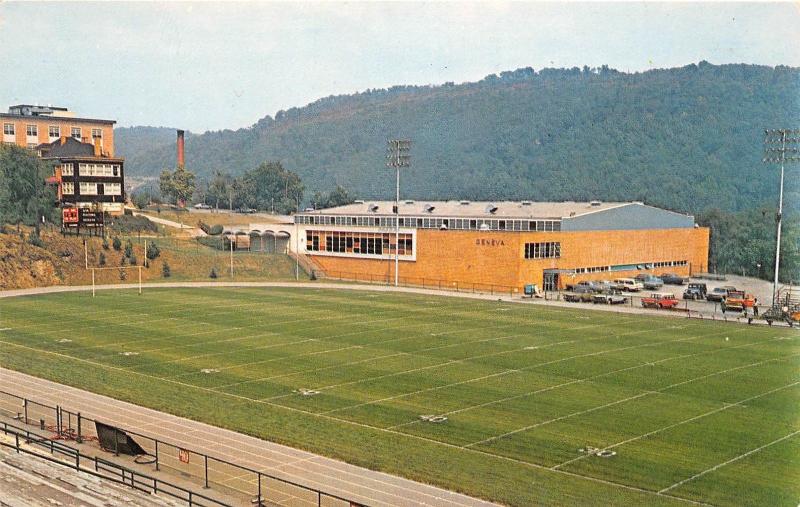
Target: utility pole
[
  {"x": 231, "y": 242},
  {"x": 780, "y": 155},
  {"x": 399, "y": 155},
  {"x": 297, "y": 244}
]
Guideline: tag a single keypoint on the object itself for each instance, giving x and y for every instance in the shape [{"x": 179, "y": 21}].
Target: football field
[{"x": 519, "y": 404}]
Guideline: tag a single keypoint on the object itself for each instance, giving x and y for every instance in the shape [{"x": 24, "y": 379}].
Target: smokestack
[{"x": 180, "y": 148}]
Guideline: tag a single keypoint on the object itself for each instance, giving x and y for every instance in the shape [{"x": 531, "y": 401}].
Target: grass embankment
[
  {"x": 61, "y": 260},
  {"x": 524, "y": 389}
]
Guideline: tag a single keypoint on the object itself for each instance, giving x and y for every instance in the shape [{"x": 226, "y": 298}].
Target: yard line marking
[
  {"x": 415, "y": 352},
  {"x": 361, "y": 425},
  {"x": 679, "y": 423},
  {"x": 585, "y": 379},
  {"x": 506, "y": 372},
  {"x": 737, "y": 458},
  {"x": 640, "y": 395}
]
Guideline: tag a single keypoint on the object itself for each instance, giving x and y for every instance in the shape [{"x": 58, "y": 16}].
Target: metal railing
[
  {"x": 419, "y": 282},
  {"x": 101, "y": 468},
  {"x": 197, "y": 467}
]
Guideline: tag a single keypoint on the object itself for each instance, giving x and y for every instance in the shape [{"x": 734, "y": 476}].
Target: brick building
[
  {"x": 87, "y": 177},
  {"x": 506, "y": 243},
  {"x": 29, "y": 126}
]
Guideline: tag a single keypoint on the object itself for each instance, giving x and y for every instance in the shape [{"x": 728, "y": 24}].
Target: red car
[{"x": 661, "y": 300}]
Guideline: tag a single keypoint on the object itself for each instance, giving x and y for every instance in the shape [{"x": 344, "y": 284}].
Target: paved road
[
  {"x": 360, "y": 484},
  {"x": 192, "y": 231}
]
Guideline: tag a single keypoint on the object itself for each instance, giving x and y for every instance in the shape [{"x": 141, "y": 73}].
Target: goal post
[{"x": 121, "y": 270}]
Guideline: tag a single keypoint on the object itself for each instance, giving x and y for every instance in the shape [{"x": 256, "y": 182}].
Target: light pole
[
  {"x": 780, "y": 155},
  {"x": 398, "y": 155}
]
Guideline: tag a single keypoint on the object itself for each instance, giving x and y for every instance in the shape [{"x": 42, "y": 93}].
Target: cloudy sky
[{"x": 207, "y": 66}]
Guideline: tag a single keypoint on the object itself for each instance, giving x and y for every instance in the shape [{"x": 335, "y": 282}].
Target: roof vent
[
  {"x": 358, "y": 201},
  {"x": 373, "y": 208},
  {"x": 409, "y": 202},
  {"x": 595, "y": 203},
  {"x": 491, "y": 209},
  {"x": 484, "y": 227},
  {"x": 526, "y": 203},
  {"x": 429, "y": 208},
  {"x": 463, "y": 203}
]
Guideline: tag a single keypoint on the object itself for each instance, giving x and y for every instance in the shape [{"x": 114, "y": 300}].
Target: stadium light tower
[
  {"x": 398, "y": 155},
  {"x": 780, "y": 147}
]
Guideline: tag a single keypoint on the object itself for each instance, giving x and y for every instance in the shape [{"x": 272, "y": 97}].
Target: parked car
[
  {"x": 609, "y": 299},
  {"x": 737, "y": 301},
  {"x": 652, "y": 283},
  {"x": 672, "y": 279},
  {"x": 717, "y": 295},
  {"x": 202, "y": 205},
  {"x": 245, "y": 210},
  {"x": 627, "y": 284},
  {"x": 695, "y": 291},
  {"x": 605, "y": 286},
  {"x": 661, "y": 300},
  {"x": 582, "y": 295}
]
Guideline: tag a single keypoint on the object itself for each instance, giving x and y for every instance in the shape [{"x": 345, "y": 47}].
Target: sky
[{"x": 211, "y": 66}]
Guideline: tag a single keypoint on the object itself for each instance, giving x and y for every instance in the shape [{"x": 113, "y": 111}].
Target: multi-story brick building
[
  {"x": 29, "y": 126},
  {"x": 87, "y": 177},
  {"x": 507, "y": 243}
]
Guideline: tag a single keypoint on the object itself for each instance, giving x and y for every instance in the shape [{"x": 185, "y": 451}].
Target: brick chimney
[
  {"x": 180, "y": 148},
  {"x": 63, "y": 140},
  {"x": 98, "y": 151}
]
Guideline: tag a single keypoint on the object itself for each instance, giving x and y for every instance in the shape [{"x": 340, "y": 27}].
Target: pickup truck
[
  {"x": 660, "y": 300},
  {"x": 737, "y": 301},
  {"x": 609, "y": 299}
]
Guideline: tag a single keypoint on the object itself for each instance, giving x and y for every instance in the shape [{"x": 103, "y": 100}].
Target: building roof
[
  {"x": 68, "y": 119},
  {"x": 480, "y": 209},
  {"x": 72, "y": 148}
]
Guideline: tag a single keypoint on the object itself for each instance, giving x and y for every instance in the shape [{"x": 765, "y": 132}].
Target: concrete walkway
[
  {"x": 329, "y": 475},
  {"x": 192, "y": 231}
]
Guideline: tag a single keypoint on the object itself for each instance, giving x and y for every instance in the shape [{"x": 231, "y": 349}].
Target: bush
[
  {"x": 203, "y": 226},
  {"x": 217, "y": 242},
  {"x": 215, "y": 230},
  {"x": 152, "y": 251},
  {"x": 128, "y": 248},
  {"x": 117, "y": 243},
  {"x": 213, "y": 273},
  {"x": 35, "y": 240},
  {"x": 165, "y": 272},
  {"x": 101, "y": 259},
  {"x": 122, "y": 261},
  {"x": 133, "y": 225},
  {"x": 133, "y": 260},
  {"x": 123, "y": 275},
  {"x": 105, "y": 244}
]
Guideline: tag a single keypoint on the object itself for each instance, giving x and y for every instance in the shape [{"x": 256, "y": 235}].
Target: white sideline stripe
[
  {"x": 5, "y": 329},
  {"x": 640, "y": 395},
  {"x": 737, "y": 458},
  {"x": 526, "y": 368},
  {"x": 586, "y": 379},
  {"x": 360, "y": 425},
  {"x": 679, "y": 423}
]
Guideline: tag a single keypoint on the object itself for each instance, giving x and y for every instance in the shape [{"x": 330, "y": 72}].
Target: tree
[
  {"x": 220, "y": 189},
  {"x": 178, "y": 185},
  {"x": 116, "y": 243},
  {"x": 339, "y": 196},
  {"x": 24, "y": 196},
  {"x": 270, "y": 184}
]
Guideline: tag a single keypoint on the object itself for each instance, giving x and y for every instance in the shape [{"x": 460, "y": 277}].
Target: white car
[
  {"x": 202, "y": 205},
  {"x": 628, "y": 284}
]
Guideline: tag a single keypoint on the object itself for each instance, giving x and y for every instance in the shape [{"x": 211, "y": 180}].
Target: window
[
  {"x": 32, "y": 130},
  {"x": 54, "y": 131},
  {"x": 8, "y": 129},
  {"x": 88, "y": 188},
  {"x": 354, "y": 243},
  {"x": 75, "y": 132},
  {"x": 547, "y": 250},
  {"x": 66, "y": 170},
  {"x": 68, "y": 188}
]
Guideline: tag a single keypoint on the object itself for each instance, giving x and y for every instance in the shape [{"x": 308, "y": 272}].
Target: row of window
[
  {"x": 545, "y": 250},
  {"x": 478, "y": 224},
  {"x": 359, "y": 243},
  {"x": 52, "y": 130},
  {"x": 98, "y": 170},
  {"x": 68, "y": 188},
  {"x": 632, "y": 267}
]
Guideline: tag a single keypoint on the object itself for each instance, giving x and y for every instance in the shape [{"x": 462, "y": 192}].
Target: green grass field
[{"x": 695, "y": 410}]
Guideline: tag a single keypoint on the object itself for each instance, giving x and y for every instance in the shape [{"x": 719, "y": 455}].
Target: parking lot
[{"x": 761, "y": 290}]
